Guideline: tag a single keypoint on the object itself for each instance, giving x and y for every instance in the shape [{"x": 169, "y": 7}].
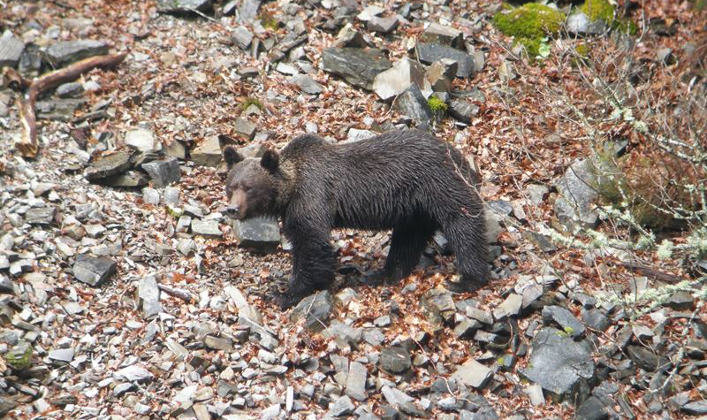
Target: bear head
[{"x": 251, "y": 184}]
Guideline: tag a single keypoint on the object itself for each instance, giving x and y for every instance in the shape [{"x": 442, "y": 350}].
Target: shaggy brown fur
[{"x": 408, "y": 181}]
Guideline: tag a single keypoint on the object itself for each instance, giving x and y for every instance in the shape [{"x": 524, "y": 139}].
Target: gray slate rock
[
  {"x": 564, "y": 319},
  {"x": 257, "y": 233},
  {"x": 143, "y": 140},
  {"x": 594, "y": 318},
  {"x": 577, "y": 194},
  {"x": 396, "y": 79},
  {"x": 58, "y": 109},
  {"x": 579, "y": 24},
  {"x": 341, "y": 407},
  {"x": 557, "y": 363},
  {"x": 307, "y": 84},
  {"x": 206, "y": 227},
  {"x": 163, "y": 172},
  {"x": 133, "y": 373},
  {"x": 183, "y": 6},
  {"x": 696, "y": 408},
  {"x": 149, "y": 295},
  {"x": 463, "y": 110},
  {"x": 316, "y": 309},
  {"x": 62, "y": 355},
  {"x": 383, "y": 25},
  {"x": 93, "y": 270},
  {"x": 645, "y": 358},
  {"x": 248, "y": 10},
  {"x": 473, "y": 373},
  {"x": 208, "y": 152},
  {"x": 40, "y": 215},
  {"x": 509, "y": 307},
  {"x": 70, "y": 90},
  {"x": 413, "y": 104},
  {"x": 6, "y": 285},
  {"x": 130, "y": 179},
  {"x": 395, "y": 360},
  {"x": 11, "y": 48},
  {"x": 355, "y": 65},
  {"x": 356, "y": 381},
  {"x": 108, "y": 165},
  {"x": 242, "y": 37},
  {"x": 245, "y": 128},
  {"x": 443, "y": 35},
  {"x": 67, "y": 52},
  {"x": 592, "y": 409},
  {"x": 428, "y": 53}
]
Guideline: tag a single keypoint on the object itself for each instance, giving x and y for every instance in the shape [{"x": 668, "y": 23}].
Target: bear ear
[
  {"x": 231, "y": 156},
  {"x": 270, "y": 160}
]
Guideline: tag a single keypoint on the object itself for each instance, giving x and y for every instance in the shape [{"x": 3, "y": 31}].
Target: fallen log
[{"x": 29, "y": 92}]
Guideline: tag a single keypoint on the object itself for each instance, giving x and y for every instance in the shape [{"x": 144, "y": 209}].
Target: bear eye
[{"x": 245, "y": 188}]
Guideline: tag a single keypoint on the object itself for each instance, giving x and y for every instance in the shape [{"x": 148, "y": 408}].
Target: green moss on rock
[
  {"x": 20, "y": 356},
  {"x": 532, "y": 20},
  {"x": 437, "y": 105},
  {"x": 529, "y": 24},
  {"x": 598, "y": 9}
]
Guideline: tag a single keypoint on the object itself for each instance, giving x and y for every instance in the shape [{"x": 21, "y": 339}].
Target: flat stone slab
[
  {"x": 93, "y": 270},
  {"x": 163, "y": 172},
  {"x": 558, "y": 363},
  {"x": 355, "y": 65},
  {"x": 564, "y": 318},
  {"x": 205, "y": 227},
  {"x": 428, "y": 53},
  {"x": 183, "y": 6},
  {"x": 40, "y": 215},
  {"x": 108, "y": 165},
  {"x": 257, "y": 233},
  {"x": 307, "y": 84},
  {"x": 473, "y": 373},
  {"x": 67, "y": 52},
  {"x": 577, "y": 194},
  {"x": 316, "y": 309},
  {"x": 11, "y": 48},
  {"x": 395, "y": 360},
  {"x": 413, "y": 104}
]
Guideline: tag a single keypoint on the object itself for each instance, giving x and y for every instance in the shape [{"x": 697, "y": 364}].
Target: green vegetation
[
  {"x": 604, "y": 10},
  {"x": 437, "y": 105},
  {"x": 530, "y": 24},
  {"x": 598, "y": 9},
  {"x": 251, "y": 101},
  {"x": 268, "y": 20},
  {"x": 20, "y": 356}
]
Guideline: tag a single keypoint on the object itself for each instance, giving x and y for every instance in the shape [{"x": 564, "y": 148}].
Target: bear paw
[{"x": 377, "y": 278}]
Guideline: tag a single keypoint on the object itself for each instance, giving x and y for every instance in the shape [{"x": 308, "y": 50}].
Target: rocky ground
[{"x": 124, "y": 292}]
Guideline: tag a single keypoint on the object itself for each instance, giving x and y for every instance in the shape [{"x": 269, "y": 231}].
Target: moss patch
[
  {"x": 604, "y": 10},
  {"x": 251, "y": 101},
  {"x": 529, "y": 24},
  {"x": 437, "y": 105},
  {"x": 598, "y": 9}
]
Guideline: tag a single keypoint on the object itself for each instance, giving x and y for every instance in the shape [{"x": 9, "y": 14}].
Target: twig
[
  {"x": 29, "y": 91},
  {"x": 179, "y": 293}
]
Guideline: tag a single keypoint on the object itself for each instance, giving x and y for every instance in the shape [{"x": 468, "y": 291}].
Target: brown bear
[{"x": 406, "y": 180}]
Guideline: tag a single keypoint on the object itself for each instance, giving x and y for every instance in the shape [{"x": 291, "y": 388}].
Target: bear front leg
[
  {"x": 313, "y": 265},
  {"x": 466, "y": 237}
]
